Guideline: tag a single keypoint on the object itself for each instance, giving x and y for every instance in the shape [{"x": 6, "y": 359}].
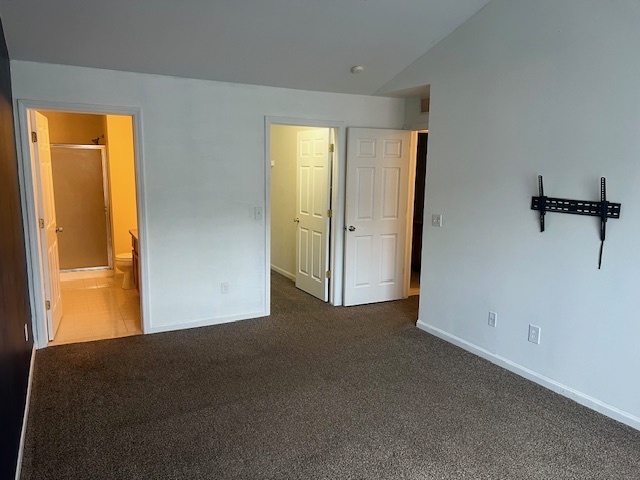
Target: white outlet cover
[
  {"x": 436, "y": 219},
  {"x": 534, "y": 334}
]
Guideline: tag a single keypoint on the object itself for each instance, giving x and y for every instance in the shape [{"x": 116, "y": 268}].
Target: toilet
[{"x": 124, "y": 263}]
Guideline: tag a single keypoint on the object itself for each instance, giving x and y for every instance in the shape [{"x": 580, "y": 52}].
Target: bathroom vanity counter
[{"x": 135, "y": 258}]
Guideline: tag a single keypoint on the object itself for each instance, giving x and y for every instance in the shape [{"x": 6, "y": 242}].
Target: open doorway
[
  {"x": 418, "y": 211},
  {"x": 85, "y": 202},
  {"x": 301, "y": 161}
]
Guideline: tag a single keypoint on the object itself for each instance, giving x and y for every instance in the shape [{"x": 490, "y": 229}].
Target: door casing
[{"x": 29, "y": 211}]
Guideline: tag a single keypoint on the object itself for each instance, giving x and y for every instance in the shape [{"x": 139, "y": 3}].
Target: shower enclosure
[{"x": 81, "y": 192}]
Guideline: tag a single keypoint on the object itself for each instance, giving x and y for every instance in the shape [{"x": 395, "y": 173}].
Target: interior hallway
[{"x": 311, "y": 392}]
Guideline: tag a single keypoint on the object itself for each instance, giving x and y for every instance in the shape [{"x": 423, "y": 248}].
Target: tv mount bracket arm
[{"x": 603, "y": 209}]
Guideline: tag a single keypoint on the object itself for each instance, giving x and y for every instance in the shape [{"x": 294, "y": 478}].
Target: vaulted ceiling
[{"x": 302, "y": 44}]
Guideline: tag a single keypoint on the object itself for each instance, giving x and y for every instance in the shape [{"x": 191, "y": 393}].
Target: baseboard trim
[
  {"x": 207, "y": 322},
  {"x": 27, "y": 401},
  {"x": 284, "y": 273},
  {"x": 557, "y": 387}
]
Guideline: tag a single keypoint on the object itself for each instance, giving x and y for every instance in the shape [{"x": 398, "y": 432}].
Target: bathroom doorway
[{"x": 84, "y": 180}]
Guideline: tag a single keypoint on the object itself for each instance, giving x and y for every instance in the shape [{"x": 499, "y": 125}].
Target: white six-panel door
[
  {"x": 312, "y": 250},
  {"x": 376, "y": 214},
  {"x": 47, "y": 217}
]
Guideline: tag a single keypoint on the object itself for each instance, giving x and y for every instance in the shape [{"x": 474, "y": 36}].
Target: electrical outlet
[
  {"x": 26, "y": 333},
  {"x": 534, "y": 334},
  {"x": 224, "y": 288},
  {"x": 436, "y": 219},
  {"x": 493, "y": 319}
]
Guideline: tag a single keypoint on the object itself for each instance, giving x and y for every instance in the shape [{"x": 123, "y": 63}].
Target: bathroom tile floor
[{"x": 97, "y": 309}]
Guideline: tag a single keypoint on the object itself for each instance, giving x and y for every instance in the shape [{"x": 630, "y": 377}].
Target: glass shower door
[{"x": 82, "y": 206}]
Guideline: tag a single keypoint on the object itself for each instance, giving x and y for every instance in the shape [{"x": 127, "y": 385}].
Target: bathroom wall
[
  {"x": 122, "y": 183},
  {"x": 74, "y": 128},
  {"x": 284, "y": 139}
]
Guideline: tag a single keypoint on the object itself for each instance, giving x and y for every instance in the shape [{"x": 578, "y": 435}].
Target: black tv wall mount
[{"x": 602, "y": 209}]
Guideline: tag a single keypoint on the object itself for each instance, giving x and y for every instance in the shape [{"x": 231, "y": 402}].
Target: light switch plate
[
  {"x": 257, "y": 213},
  {"x": 493, "y": 319}
]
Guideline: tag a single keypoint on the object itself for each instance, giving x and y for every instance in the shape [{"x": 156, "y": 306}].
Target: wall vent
[{"x": 424, "y": 105}]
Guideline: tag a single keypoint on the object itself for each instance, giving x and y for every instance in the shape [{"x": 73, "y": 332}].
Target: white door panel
[
  {"x": 376, "y": 210},
  {"x": 312, "y": 187},
  {"x": 47, "y": 214}
]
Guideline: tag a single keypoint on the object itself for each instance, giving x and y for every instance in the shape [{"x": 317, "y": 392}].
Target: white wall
[
  {"x": 204, "y": 171},
  {"x": 284, "y": 147},
  {"x": 526, "y": 88}
]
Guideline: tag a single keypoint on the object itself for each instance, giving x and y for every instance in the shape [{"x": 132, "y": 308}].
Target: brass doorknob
[
  {"x": 352, "y": 228},
  {"x": 297, "y": 220},
  {"x": 59, "y": 229}
]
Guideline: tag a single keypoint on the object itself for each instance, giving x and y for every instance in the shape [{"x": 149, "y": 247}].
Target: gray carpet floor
[{"x": 311, "y": 392}]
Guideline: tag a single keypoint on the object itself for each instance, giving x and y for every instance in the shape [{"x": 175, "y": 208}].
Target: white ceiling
[{"x": 303, "y": 44}]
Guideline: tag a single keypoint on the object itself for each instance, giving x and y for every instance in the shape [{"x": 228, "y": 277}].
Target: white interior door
[
  {"x": 312, "y": 239},
  {"x": 41, "y": 153},
  {"x": 376, "y": 214}
]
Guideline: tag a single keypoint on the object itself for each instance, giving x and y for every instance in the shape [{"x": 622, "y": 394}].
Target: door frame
[
  {"x": 413, "y": 165},
  {"x": 107, "y": 200},
  {"x": 413, "y": 162},
  {"x": 338, "y": 186},
  {"x": 29, "y": 206}
]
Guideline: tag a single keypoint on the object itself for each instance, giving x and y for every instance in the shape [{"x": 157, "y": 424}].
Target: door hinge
[
  {"x": 332, "y": 147},
  {"x": 34, "y": 137},
  {"x": 329, "y": 213},
  {"x": 48, "y": 305},
  {"x": 328, "y": 273},
  {"x": 41, "y": 223}
]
